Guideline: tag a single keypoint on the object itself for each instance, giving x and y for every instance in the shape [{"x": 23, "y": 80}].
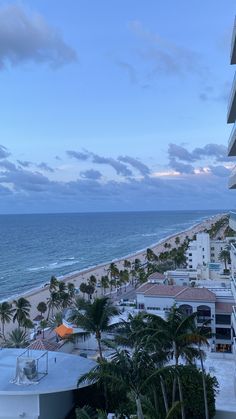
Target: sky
[{"x": 115, "y": 105}]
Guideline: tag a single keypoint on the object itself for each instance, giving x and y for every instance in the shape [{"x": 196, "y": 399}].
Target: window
[
  {"x": 190, "y": 266},
  {"x": 190, "y": 254},
  {"x": 203, "y": 257},
  {"x": 223, "y": 319},
  {"x": 203, "y": 249},
  {"x": 224, "y": 334},
  {"x": 190, "y": 260},
  {"x": 212, "y": 248},
  {"x": 212, "y": 255}
]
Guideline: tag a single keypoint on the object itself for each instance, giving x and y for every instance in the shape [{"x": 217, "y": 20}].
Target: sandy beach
[{"x": 42, "y": 293}]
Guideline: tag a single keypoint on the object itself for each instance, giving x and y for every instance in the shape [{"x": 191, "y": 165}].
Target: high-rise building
[{"x": 231, "y": 118}]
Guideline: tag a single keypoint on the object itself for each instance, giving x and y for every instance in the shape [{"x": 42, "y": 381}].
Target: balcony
[
  {"x": 232, "y": 142},
  {"x": 232, "y": 220},
  {"x": 232, "y": 179},
  {"x": 231, "y": 116},
  {"x": 233, "y": 45},
  {"x": 233, "y": 319},
  {"x": 233, "y": 287}
]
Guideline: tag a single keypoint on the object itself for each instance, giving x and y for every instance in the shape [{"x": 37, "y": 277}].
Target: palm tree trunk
[
  {"x": 204, "y": 387},
  {"x": 181, "y": 398},
  {"x": 139, "y": 408},
  {"x": 3, "y": 332},
  {"x": 163, "y": 389},
  {"x": 174, "y": 380},
  {"x": 100, "y": 348},
  {"x": 155, "y": 399}
]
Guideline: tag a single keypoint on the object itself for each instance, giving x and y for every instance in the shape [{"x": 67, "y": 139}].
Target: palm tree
[
  {"x": 95, "y": 318},
  {"x": 61, "y": 287},
  {"x": 83, "y": 288},
  {"x": 42, "y": 307},
  {"x": 177, "y": 240},
  {"x": 17, "y": 339},
  {"x": 64, "y": 300},
  {"x": 92, "y": 280},
  {"x": 52, "y": 302},
  {"x": 71, "y": 289},
  {"x": 224, "y": 256},
  {"x": 5, "y": 315},
  {"x": 55, "y": 321},
  {"x": 104, "y": 283},
  {"x": 114, "y": 272},
  {"x": 21, "y": 310},
  {"x": 127, "y": 263},
  {"x": 43, "y": 325},
  {"x": 130, "y": 371},
  {"x": 53, "y": 283}
]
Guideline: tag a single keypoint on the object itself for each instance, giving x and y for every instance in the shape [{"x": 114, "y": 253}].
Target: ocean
[{"x": 35, "y": 247}]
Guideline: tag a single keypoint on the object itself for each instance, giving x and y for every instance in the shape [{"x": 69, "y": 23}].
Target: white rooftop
[
  {"x": 222, "y": 366},
  {"x": 63, "y": 372}
]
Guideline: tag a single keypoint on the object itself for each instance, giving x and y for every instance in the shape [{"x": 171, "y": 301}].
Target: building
[
  {"x": 204, "y": 253},
  {"x": 43, "y": 388},
  {"x": 215, "y": 305}
]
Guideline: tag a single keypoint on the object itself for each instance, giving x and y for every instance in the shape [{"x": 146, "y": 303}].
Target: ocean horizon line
[{"x": 117, "y": 212}]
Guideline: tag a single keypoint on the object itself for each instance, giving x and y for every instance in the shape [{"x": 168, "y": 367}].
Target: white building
[
  {"x": 46, "y": 391},
  {"x": 215, "y": 305},
  {"x": 204, "y": 252}
]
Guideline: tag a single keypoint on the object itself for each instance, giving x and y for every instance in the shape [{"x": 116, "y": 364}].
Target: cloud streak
[{"x": 27, "y": 36}]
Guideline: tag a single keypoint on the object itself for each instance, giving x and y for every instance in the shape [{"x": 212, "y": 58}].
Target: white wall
[
  {"x": 161, "y": 302},
  {"x": 14, "y": 406}
]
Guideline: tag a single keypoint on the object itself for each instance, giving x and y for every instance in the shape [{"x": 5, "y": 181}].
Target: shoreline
[
  {"x": 131, "y": 257},
  {"x": 41, "y": 293}
]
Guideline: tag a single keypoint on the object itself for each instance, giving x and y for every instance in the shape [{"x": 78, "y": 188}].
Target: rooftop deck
[{"x": 63, "y": 373}]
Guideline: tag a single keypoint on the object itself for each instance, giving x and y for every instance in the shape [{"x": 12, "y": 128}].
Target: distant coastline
[{"x": 131, "y": 256}]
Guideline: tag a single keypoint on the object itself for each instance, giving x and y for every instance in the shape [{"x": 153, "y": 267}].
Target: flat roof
[
  {"x": 222, "y": 366},
  {"x": 64, "y": 371}
]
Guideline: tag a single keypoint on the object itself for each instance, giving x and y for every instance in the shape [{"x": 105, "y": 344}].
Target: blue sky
[{"x": 114, "y": 105}]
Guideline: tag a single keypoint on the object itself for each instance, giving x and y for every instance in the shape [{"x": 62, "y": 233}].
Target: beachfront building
[
  {"x": 213, "y": 304},
  {"x": 36, "y": 384},
  {"x": 204, "y": 253}
]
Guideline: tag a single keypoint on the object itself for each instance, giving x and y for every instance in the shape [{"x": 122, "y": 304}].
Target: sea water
[{"x": 35, "y": 247}]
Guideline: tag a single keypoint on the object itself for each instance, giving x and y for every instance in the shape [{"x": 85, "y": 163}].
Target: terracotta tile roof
[
  {"x": 144, "y": 287},
  {"x": 224, "y": 308},
  {"x": 196, "y": 294},
  {"x": 164, "y": 290},
  {"x": 43, "y": 345},
  {"x": 180, "y": 293}
]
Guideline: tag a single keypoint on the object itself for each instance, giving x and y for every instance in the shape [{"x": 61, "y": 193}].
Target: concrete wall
[
  {"x": 11, "y": 407},
  {"x": 157, "y": 301},
  {"x": 223, "y": 414},
  {"x": 56, "y": 405}
]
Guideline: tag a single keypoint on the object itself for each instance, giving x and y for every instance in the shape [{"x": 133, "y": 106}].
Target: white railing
[
  {"x": 233, "y": 41},
  {"x": 231, "y": 141},
  {"x": 230, "y": 118}
]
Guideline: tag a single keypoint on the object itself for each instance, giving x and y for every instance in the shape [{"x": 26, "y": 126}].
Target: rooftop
[
  {"x": 179, "y": 292},
  {"x": 196, "y": 294},
  {"x": 222, "y": 366},
  {"x": 63, "y": 372}
]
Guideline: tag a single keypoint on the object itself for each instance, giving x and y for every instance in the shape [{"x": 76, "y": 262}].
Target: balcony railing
[
  {"x": 233, "y": 45},
  {"x": 232, "y": 220},
  {"x": 231, "y": 116},
  {"x": 202, "y": 319},
  {"x": 232, "y": 142}
]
